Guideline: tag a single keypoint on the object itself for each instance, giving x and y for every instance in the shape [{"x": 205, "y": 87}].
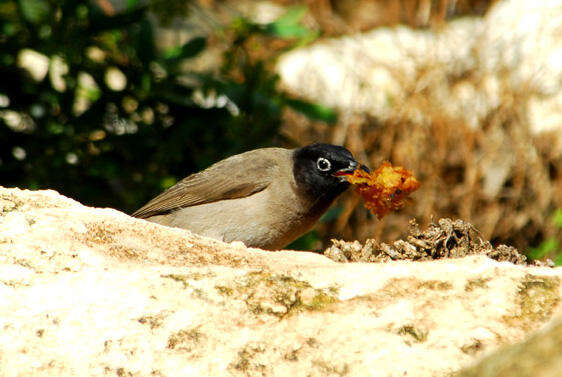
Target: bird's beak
[
  {"x": 364, "y": 168},
  {"x": 353, "y": 165}
]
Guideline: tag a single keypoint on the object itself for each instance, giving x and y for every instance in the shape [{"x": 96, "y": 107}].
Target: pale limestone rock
[
  {"x": 94, "y": 292},
  {"x": 540, "y": 355}
]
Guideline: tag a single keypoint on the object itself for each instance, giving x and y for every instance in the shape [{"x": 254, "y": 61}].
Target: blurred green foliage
[
  {"x": 90, "y": 106},
  {"x": 550, "y": 246}
]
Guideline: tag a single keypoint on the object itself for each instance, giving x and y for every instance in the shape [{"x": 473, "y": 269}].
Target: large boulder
[{"x": 92, "y": 292}]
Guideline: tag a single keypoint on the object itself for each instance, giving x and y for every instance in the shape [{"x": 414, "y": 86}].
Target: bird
[{"x": 265, "y": 198}]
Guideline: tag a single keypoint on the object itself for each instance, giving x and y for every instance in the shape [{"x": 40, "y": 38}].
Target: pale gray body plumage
[{"x": 252, "y": 197}]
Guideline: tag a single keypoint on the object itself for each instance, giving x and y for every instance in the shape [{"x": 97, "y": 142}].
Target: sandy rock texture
[
  {"x": 538, "y": 356},
  {"x": 94, "y": 292},
  {"x": 468, "y": 69}
]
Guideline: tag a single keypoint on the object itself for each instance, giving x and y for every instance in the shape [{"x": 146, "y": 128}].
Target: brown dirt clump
[{"x": 445, "y": 239}]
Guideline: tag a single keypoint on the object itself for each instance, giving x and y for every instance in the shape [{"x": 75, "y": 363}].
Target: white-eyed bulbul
[{"x": 265, "y": 198}]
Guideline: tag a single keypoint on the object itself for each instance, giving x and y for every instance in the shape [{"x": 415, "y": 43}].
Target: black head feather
[{"x": 314, "y": 168}]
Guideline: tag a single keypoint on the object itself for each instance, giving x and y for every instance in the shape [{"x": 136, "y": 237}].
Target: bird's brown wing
[{"x": 235, "y": 177}]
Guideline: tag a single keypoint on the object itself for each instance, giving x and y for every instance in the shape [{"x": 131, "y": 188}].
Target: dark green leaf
[
  {"x": 131, "y": 3},
  {"x": 9, "y": 29},
  {"x": 145, "y": 42},
  {"x": 313, "y": 111},
  {"x": 188, "y": 50},
  {"x": 101, "y": 22},
  {"x": 34, "y": 11},
  {"x": 308, "y": 241},
  {"x": 557, "y": 218},
  {"x": 331, "y": 214},
  {"x": 146, "y": 83},
  {"x": 287, "y": 31},
  {"x": 293, "y": 16},
  {"x": 546, "y": 247},
  {"x": 167, "y": 182},
  {"x": 288, "y": 25}
]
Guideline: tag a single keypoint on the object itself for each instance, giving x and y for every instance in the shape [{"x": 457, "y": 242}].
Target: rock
[
  {"x": 466, "y": 70},
  {"x": 540, "y": 355},
  {"x": 94, "y": 292}
]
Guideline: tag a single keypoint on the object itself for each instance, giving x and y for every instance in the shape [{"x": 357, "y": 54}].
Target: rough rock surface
[
  {"x": 94, "y": 292},
  {"x": 538, "y": 356}
]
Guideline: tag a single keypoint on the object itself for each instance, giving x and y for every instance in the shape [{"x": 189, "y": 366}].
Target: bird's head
[{"x": 320, "y": 169}]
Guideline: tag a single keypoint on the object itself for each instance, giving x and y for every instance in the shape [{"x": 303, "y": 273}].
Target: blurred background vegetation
[
  {"x": 93, "y": 108},
  {"x": 112, "y": 101}
]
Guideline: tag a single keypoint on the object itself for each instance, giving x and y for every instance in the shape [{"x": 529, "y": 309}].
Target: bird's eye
[{"x": 323, "y": 164}]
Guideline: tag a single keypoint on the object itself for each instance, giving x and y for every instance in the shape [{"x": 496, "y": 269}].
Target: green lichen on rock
[
  {"x": 436, "y": 285},
  {"x": 473, "y": 347},
  {"x": 122, "y": 372},
  {"x": 292, "y": 354},
  {"x": 331, "y": 369},
  {"x": 187, "y": 281},
  {"x": 278, "y": 295},
  {"x": 184, "y": 279},
  {"x": 409, "y": 287},
  {"x": 415, "y": 333},
  {"x": 473, "y": 284},
  {"x": 224, "y": 290},
  {"x": 537, "y": 297},
  {"x": 154, "y": 321},
  {"x": 319, "y": 300},
  {"x": 201, "y": 275},
  {"x": 247, "y": 360},
  {"x": 8, "y": 204},
  {"x": 185, "y": 339}
]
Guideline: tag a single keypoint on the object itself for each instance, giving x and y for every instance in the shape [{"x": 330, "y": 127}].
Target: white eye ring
[{"x": 323, "y": 164}]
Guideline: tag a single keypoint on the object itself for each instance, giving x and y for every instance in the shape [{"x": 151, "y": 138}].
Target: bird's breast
[{"x": 269, "y": 219}]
